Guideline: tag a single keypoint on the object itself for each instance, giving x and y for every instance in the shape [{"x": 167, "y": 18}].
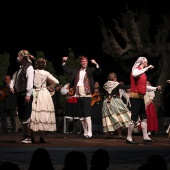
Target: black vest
[{"x": 21, "y": 80}]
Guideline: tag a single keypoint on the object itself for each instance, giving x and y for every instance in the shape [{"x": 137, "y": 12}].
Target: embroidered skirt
[
  {"x": 43, "y": 113},
  {"x": 115, "y": 114}
]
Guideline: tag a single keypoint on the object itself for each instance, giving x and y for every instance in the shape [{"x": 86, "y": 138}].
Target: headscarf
[
  {"x": 110, "y": 85},
  {"x": 139, "y": 61},
  {"x": 27, "y": 54}
]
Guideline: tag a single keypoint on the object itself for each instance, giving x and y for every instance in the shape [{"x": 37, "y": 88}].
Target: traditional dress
[
  {"x": 152, "y": 120},
  {"x": 115, "y": 113},
  {"x": 43, "y": 113}
]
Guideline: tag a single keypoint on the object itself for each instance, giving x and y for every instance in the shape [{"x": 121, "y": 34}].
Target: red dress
[{"x": 152, "y": 119}]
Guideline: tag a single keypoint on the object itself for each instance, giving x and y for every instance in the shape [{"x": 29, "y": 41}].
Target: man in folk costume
[
  {"x": 138, "y": 80},
  {"x": 22, "y": 85},
  {"x": 82, "y": 82}
]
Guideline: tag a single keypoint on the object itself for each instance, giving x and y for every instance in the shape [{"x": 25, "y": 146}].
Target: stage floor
[{"x": 122, "y": 155}]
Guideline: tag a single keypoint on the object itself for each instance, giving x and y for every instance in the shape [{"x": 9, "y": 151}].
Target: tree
[
  {"x": 132, "y": 36},
  {"x": 4, "y": 60}
]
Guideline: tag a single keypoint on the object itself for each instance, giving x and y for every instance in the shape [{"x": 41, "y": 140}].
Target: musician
[
  {"x": 96, "y": 108},
  {"x": 8, "y": 101},
  {"x": 83, "y": 82},
  {"x": 71, "y": 115}
]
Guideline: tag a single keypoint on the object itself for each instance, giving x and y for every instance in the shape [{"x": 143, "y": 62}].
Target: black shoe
[
  {"x": 131, "y": 142},
  {"x": 87, "y": 137},
  {"x": 120, "y": 137},
  {"x": 83, "y": 137},
  {"x": 148, "y": 141},
  {"x": 108, "y": 137},
  {"x": 42, "y": 140}
]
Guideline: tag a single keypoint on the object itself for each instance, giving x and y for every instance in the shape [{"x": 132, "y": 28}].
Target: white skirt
[{"x": 43, "y": 113}]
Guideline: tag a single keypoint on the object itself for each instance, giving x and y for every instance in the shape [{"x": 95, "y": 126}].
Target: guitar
[
  {"x": 4, "y": 92},
  {"x": 95, "y": 98},
  {"x": 71, "y": 91}
]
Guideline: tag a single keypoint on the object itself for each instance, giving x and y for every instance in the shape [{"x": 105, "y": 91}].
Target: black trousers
[
  {"x": 4, "y": 115},
  {"x": 84, "y": 106}
]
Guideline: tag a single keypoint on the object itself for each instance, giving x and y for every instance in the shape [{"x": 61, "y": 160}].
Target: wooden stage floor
[{"x": 122, "y": 155}]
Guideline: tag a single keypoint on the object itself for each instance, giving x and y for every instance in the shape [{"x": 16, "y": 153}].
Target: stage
[{"x": 122, "y": 156}]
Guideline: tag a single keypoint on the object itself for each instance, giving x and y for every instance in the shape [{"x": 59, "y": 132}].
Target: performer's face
[
  {"x": 145, "y": 63},
  {"x": 84, "y": 63},
  {"x": 19, "y": 58},
  {"x": 7, "y": 79}
]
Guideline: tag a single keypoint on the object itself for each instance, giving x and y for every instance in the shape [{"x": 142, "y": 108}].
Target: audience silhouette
[
  {"x": 75, "y": 160},
  {"x": 41, "y": 160},
  {"x": 158, "y": 161},
  {"x": 9, "y": 166},
  {"x": 100, "y": 160},
  {"x": 148, "y": 166},
  {"x": 155, "y": 162}
]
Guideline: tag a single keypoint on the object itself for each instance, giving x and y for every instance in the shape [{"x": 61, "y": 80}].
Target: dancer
[
  {"x": 43, "y": 112},
  {"x": 83, "y": 81},
  {"x": 138, "y": 90},
  {"x": 152, "y": 119},
  {"x": 22, "y": 85},
  {"x": 115, "y": 114}
]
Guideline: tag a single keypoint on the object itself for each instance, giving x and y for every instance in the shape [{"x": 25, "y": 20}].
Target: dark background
[{"x": 54, "y": 26}]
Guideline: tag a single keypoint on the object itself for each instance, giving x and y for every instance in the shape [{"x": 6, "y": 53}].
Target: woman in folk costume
[
  {"x": 43, "y": 113},
  {"x": 115, "y": 114},
  {"x": 152, "y": 119}
]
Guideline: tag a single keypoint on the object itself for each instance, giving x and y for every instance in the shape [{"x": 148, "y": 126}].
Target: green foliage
[{"x": 4, "y": 60}]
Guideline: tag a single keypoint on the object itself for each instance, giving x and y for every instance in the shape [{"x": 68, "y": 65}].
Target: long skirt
[
  {"x": 152, "y": 119},
  {"x": 115, "y": 115},
  {"x": 43, "y": 113}
]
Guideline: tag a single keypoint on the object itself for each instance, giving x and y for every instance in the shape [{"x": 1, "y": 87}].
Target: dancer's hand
[
  {"x": 27, "y": 99},
  {"x": 12, "y": 90},
  {"x": 64, "y": 59},
  {"x": 158, "y": 87},
  {"x": 150, "y": 67},
  {"x": 168, "y": 81}
]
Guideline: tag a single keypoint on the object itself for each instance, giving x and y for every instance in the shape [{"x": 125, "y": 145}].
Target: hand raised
[{"x": 64, "y": 59}]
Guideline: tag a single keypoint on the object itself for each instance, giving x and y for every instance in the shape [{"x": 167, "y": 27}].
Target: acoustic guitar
[
  {"x": 4, "y": 92},
  {"x": 95, "y": 98},
  {"x": 71, "y": 91}
]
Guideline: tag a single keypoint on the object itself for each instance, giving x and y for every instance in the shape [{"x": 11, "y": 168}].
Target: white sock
[
  {"x": 149, "y": 133},
  {"x": 84, "y": 124},
  {"x": 130, "y": 130},
  {"x": 89, "y": 126},
  {"x": 144, "y": 130}
]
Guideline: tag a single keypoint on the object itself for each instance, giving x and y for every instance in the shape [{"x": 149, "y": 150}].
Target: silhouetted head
[
  {"x": 100, "y": 160},
  {"x": 75, "y": 160},
  {"x": 158, "y": 161},
  {"x": 41, "y": 160}
]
